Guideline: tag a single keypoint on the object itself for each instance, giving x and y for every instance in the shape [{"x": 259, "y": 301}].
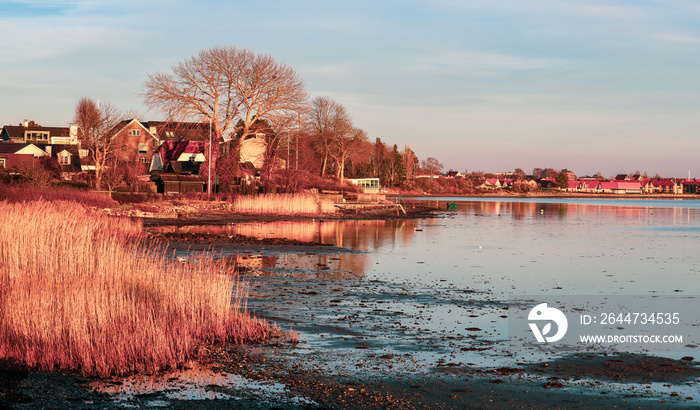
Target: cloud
[
  {"x": 677, "y": 38},
  {"x": 485, "y": 63},
  {"x": 26, "y": 41}
]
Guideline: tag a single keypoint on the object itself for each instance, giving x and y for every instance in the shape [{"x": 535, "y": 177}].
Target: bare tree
[
  {"x": 330, "y": 125},
  {"x": 95, "y": 122},
  {"x": 343, "y": 146},
  {"x": 224, "y": 85},
  {"x": 432, "y": 166},
  {"x": 410, "y": 162},
  {"x": 37, "y": 172},
  {"x": 113, "y": 174}
]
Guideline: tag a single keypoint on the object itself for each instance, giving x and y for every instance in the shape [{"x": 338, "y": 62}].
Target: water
[{"x": 434, "y": 292}]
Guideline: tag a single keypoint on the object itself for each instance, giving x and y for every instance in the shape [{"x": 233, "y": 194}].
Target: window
[
  {"x": 134, "y": 133},
  {"x": 64, "y": 158},
  {"x": 143, "y": 149},
  {"x": 36, "y": 135},
  {"x": 169, "y": 135},
  {"x": 3, "y": 164},
  {"x": 143, "y": 160}
]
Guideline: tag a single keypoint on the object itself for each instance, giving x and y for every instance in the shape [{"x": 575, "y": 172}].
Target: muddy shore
[{"x": 367, "y": 377}]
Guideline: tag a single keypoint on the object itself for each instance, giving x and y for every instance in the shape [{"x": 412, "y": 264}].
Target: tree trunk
[
  {"x": 341, "y": 172},
  {"x": 325, "y": 162}
]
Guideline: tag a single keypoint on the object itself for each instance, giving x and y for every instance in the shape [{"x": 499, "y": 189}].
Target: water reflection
[
  {"x": 362, "y": 236},
  {"x": 353, "y": 234},
  {"x": 550, "y": 209},
  {"x": 309, "y": 265}
]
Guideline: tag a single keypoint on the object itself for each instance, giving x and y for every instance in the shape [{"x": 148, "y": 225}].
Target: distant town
[{"x": 170, "y": 157}]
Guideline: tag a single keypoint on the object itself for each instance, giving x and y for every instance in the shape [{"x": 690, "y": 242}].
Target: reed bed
[
  {"x": 77, "y": 292},
  {"x": 25, "y": 193},
  {"x": 284, "y": 204}
]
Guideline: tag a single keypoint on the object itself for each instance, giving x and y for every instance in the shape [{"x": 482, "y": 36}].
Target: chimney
[
  {"x": 26, "y": 123},
  {"x": 73, "y": 133}
]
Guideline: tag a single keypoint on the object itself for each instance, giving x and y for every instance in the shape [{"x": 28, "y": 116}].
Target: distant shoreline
[{"x": 563, "y": 195}]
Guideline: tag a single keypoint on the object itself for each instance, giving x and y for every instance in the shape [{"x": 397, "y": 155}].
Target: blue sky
[{"x": 609, "y": 86}]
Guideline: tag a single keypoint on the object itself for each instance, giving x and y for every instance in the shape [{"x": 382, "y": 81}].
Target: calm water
[
  {"x": 505, "y": 247},
  {"x": 429, "y": 292},
  {"x": 436, "y": 278}
]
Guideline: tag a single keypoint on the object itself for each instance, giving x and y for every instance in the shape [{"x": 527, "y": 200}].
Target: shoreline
[
  {"x": 548, "y": 195},
  {"x": 183, "y": 212}
]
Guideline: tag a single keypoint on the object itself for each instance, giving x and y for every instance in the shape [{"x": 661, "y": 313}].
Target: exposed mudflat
[{"x": 363, "y": 346}]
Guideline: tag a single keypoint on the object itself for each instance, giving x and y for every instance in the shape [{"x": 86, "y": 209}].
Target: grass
[
  {"x": 24, "y": 193},
  {"x": 283, "y": 204},
  {"x": 79, "y": 291}
]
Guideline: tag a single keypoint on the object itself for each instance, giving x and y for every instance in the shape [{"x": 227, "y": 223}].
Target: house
[
  {"x": 628, "y": 187},
  {"x": 573, "y": 186},
  {"x": 68, "y": 158},
  {"x": 525, "y": 184},
  {"x": 491, "y": 183},
  {"x": 14, "y": 154},
  {"x": 547, "y": 183},
  {"x": 182, "y": 157},
  {"x": 662, "y": 186},
  {"x": 29, "y": 132},
  {"x": 366, "y": 185},
  {"x": 588, "y": 185},
  {"x": 253, "y": 149},
  {"x": 621, "y": 187},
  {"x": 691, "y": 186},
  {"x": 134, "y": 140},
  {"x": 247, "y": 174},
  {"x": 23, "y": 148},
  {"x": 454, "y": 175},
  {"x": 570, "y": 175},
  {"x": 158, "y": 143}
]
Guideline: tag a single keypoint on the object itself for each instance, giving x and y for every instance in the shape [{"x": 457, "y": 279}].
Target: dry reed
[
  {"x": 77, "y": 294},
  {"x": 284, "y": 204},
  {"x": 26, "y": 193}
]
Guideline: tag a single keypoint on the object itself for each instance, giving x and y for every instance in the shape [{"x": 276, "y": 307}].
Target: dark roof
[
  {"x": 11, "y": 147},
  {"x": 246, "y": 169},
  {"x": 17, "y": 131},
  {"x": 124, "y": 123},
  {"x": 182, "y": 131},
  {"x": 183, "y": 167}
]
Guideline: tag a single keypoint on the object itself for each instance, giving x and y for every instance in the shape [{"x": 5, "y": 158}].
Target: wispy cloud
[
  {"x": 677, "y": 38},
  {"x": 487, "y": 62},
  {"x": 25, "y": 41}
]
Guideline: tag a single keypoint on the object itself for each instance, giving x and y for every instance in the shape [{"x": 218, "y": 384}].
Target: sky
[{"x": 592, "y": 86}]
